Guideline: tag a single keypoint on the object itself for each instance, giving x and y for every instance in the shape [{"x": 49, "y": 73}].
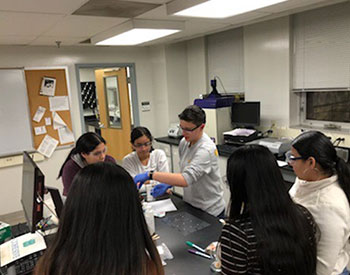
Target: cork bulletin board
[{"x": 34, "y": 80}]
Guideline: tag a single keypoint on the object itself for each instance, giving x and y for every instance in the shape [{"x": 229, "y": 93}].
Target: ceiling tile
[
  {"x": 193, "y": 29},
  {"x": 16, "y": 39},
  {"x": 294, "y": 4},
  {"x": 150, "y": 1},
  {"x": 246, "y": 17},
  {"x": 197, "y": 27},
  {"x": 42, "y": 6},
  {"x": 159, "y": 13},
  {"x": 51, "y": 40},
  {"x": 16, "y": 23},
  {"x": 77, "y": 25}
]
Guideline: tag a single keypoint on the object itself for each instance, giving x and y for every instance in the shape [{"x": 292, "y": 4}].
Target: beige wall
[
  {"x": 197, "y": 68},
  {"x": 267, "y": 43}
]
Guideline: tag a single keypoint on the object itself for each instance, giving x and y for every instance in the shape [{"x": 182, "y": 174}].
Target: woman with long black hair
[
  {"x": 102, "y": 230},
  {"x": 89, "y": 148},
  {"x": 323, "y": 187},
  {"x": 266, "y": 233}
]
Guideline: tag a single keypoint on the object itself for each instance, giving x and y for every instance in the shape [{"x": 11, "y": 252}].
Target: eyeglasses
[
  {"x": 99, "y": 153},
  {"x": 139, "y": 145},
  {"x": 290, "y": 158},
  {"x": 190, "y": 130}
]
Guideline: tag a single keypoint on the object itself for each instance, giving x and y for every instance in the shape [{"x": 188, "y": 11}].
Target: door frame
[{"x": 134, "y": 97}]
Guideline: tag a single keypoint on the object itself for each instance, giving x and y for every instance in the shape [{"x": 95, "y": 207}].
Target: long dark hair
[
  {"x": 315, "y": 144},
  {"x": 102, "y": 229},
  {"x": 257, "y": 186},
  {"x": 140, "y": 131},
  {"x": 85, "y": 144}
]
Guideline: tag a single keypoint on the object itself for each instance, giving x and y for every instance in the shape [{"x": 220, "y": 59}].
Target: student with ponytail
[
  {"x": 323, "y": 187},
  {"x": 266, "y": 233},
  {"x": 89, "y": 148}
]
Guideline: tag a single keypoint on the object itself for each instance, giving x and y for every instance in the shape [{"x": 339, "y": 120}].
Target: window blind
[{"x": 321, "y": 48}]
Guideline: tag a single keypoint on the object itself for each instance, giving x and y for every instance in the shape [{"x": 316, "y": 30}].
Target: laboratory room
[{"x": 174, "y": 137}]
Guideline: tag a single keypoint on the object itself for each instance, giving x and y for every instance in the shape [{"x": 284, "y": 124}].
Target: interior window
[{"x": 328, "y": 106}]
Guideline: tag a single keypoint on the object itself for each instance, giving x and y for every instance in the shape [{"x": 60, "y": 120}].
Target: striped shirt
[{"x": 239, "y": 246}]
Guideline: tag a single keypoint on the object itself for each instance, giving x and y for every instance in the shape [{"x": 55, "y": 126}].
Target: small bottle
[
  {"x": 149, "y": 217},
  {"x": 149, "y": 196},
  {"x": 216, "y": 265}
]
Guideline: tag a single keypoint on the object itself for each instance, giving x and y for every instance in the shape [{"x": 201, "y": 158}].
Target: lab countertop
[
  {"x": 169, "y": 140},
  {"x": 187, "y": 224},
  {"x": 224, "y": 149}
]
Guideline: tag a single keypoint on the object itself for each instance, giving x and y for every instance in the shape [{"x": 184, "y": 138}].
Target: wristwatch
[{"x": 150, "y": 175}]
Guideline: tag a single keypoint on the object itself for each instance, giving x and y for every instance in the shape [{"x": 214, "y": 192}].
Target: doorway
[{"x": 108, "y": 103}]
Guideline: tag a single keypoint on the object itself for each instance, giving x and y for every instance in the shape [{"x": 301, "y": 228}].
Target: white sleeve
[
  {"x": 129, "y": 166},
  {"x": 333, "y": 228}
]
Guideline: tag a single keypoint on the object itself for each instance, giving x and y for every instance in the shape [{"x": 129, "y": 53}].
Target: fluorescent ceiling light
[
  {"x": 136, "y": 36},
  {"x": 137, "y": 31},
  {"x": 219, "y": 8}
]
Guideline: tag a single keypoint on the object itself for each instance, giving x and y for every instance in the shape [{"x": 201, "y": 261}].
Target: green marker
[{"x": 195, "y": 246}]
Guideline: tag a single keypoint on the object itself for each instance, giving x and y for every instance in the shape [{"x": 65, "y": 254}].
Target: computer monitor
[
  {"x": 32, "y": 192},
  {"x": 57, "y": 200},
  {"x": 245, "y": 114}
]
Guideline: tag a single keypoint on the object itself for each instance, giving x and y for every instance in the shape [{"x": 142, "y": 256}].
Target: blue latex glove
[
  {"x": 160, "y": 189},
  {"x": 141, "y": 178}
]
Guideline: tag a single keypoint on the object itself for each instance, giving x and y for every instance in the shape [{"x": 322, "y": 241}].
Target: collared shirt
[
  {"x": 199, "y": 165},
  {"x": 329, "y": 206}
]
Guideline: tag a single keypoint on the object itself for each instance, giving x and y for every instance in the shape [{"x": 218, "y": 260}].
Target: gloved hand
[
  {"x": 141, "y": 178},
  {"x": 160, "y": 189}
]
